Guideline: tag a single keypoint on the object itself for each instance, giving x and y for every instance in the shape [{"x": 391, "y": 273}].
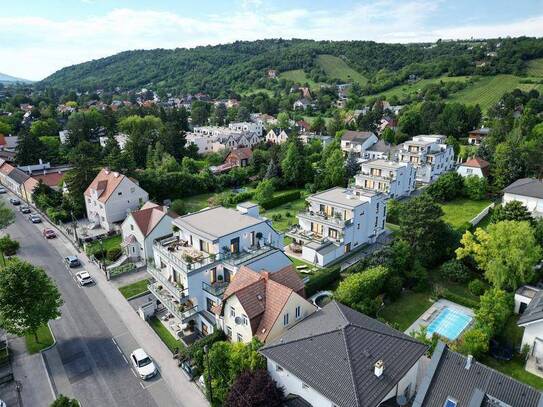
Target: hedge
[
  {"x": 322, "y": 280},
  {"x": 281, "y": 199},
  {"x": 466, "y": 302}
]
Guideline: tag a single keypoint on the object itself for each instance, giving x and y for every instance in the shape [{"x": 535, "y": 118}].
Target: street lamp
[{"x": 206, "y": 352}]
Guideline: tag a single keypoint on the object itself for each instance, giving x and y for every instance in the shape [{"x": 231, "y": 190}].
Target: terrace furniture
[
  {"x": 302, "y": 267},
  {"x": 428, "y": 314}
]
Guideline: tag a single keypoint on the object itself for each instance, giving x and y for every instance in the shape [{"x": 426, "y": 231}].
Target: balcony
[
  {"x": 182, "y": 311},
  {"x": 236, "y": 259},
  {"x": 182, "y": 255},
  {"x": 216, "y": 289},
  {"x": 180, "y": 293},
  {"x": 306, "y": 236},
  {"x": 321, "y": 217}
]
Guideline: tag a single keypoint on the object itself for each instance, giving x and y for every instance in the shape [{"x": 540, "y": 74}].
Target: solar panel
[{"x": 450, "y": 403}]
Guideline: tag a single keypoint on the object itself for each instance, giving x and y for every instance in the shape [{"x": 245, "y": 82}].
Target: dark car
[
  {"x": 14, "y": 201},
  {"x": 500, "y": 351},
  {"x": 25, "y": 209},
  {"x": 34, "y": 219},
  {"x": 3, "y": 190},
  {"x": 49, "y": 233},
  {"x": 72, "y": 261}
]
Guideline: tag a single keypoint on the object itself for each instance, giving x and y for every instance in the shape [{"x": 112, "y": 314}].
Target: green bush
[
  {"x": 179, "y": 207},
  {"x": 393, "y": 287},
  {"x": 57, "y": 215},
  {"x": 281, "y": 199},
  {"x": 113, "y": 253},
  {"x": 466, "y": 302},
  {"x": 455, "y": 270},
  {"x": 474, "y": 342},
  {"x": 394, "y": 208},
  {"x": 360, "y": 290},
  {"x": 447, "y": 187},
  {"x": 231, "y": 199},
  {"x": 321, "y": 280},
  {"x": 195, "y": 352},
  {"x": 476, "y": 287},
  {"x": 276, "y": 216},
  {"x": 8, "y": 246},
  {"x": 475, "y": 187}
]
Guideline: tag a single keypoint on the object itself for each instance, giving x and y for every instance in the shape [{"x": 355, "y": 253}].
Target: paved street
[{"x": 89, "y": 361}]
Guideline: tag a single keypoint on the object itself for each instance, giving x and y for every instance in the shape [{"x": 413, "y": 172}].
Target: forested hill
[{"x": 242, "y": 66}]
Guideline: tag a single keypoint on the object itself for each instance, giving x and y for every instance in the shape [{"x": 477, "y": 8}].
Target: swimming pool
[{"x": 449, "y": 323}]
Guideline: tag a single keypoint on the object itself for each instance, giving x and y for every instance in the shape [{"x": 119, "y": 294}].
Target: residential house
[
  {"x": 340, "y": 357},
  {"x": 301, "y": 104},
  {"x": 529, "y": 191},
  {"x": 306, "y": 138},
  {"x": 193, "y": 267},
  {"x": 337, "y": 221},
  {"x": 475, "y": 137},
  {"x": 247, "y": 127},
  {"x": 272, "y": 73},
  {"x": 120, "y": 138},
  {"x": 474, "y": 166},
  {"x": 523, "y": 296},
  {"x": 111, "y": 196},
  {"x": 429, "y": 155},
  {"x": 302, "y": 126},
  {"x": 64, "y": 136},
  {"x": 212, "y": 139},
  {"x": 277, "y": 136},
  {"x": 453, "y": 380},
  {"x": 531, "y": 319},
  {"x": 357, "y": 142},
  {"x": 378, "y": 150},
  {"x": 387, "y": 123},
  {"x": 263, "y": 119},
  {"x": 51, "y": 176},
  {"x": 239, "y": 157},
  {"x": 9, "y": 143},
  {"x": 17, "y": 181},
  {"x": 396, "y": 179},
  {"x": 142, "y": 227},
  {"x": 343, "y": 90},
  {"x": 262, "y": 305}
]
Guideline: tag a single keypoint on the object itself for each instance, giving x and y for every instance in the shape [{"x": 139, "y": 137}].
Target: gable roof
[
  {"x": 241, "y": 153},
  {"x": 451, "y": 376},
  {"x": 526, "y": 187},
  {"x": 476, "y": 162},
  {"x": 357, "y": 136},
  {"x": 334, "y": 351},
  {"x": 534, "y": 310},
  {"x": 18, "y": 176},
  {"x": 263, "y": 295},
  {"x": 148, "y": 217},
  {"x": 105, "y": 184}
]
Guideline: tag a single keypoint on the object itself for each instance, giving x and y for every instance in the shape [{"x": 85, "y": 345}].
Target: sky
[{"x": 38, "y": 37}]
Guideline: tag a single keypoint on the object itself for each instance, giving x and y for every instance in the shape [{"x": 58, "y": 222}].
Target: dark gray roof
[
  {"x": 18, "y": 176},
  {"x": 478, "y": 386},
  {"x": 381, "y": 147},
  {"x": 357, "y": 136},
  {"x": 534, "y": 311},
  {"x": 293, "y": 400},
  {"x": 334, "y": 351},
  {"x": 526, "y": 187}
]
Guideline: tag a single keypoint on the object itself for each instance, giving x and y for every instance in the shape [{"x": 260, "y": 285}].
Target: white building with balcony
[
  {"x": 337, "y": 221},
  {"x": 357, "y": 142},
  {"x": 397, "y": 179},
  {"x": 429, "y": 155},
  {"x": 193, "y": 266}
]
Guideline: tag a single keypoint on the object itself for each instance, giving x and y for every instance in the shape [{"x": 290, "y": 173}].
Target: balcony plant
[{"x": 220, "y": 278}]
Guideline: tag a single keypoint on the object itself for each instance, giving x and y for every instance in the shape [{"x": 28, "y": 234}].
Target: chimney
[
  {"x": 265, "y": 274},
  {"x": 469, "y": 360},
  {"x": 379, "y": 367}
]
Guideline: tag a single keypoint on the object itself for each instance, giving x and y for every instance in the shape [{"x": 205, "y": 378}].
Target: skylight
[{"x": 450, "y": 403}]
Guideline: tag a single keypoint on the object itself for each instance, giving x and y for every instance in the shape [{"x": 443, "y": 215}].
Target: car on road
[
  {"x": 49, "y": 233},
  {"x": 143, "y": 364},
  {"x": 72, "y": 261},
  {"x": 14, "y": 201},
  {"x": 3, "y": 190},
  {"x": 84, "y": 278},
  {"x": 25, "y": 209},
  {"x": 34, "y": 218}
]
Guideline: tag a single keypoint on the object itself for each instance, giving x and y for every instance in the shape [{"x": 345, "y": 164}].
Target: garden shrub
[
  {"x": 321, "y": 280},
  {"x": 394, "y": 208},
  {"x": 447, "y": 187},
  {"x": 474, "y": 342},
  {"x": 476, "y": 287},
  {"x": 113, "y": 253},
  {"x": 459, "y": 299},
  {"x": 393, "y": 287},
  {"x": 455, "y": 270},
  {"x": 8, "y": 246},
  {"x": 359, "y": 291},
  {"x": 281, "y": 199},
  {"x": 475, "y": 187},
  {"x": 276, "y": 216},
  {"x": 178, "y": 206}
]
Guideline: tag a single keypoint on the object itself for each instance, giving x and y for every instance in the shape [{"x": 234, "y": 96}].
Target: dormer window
[{"x": 450, "y": 402}]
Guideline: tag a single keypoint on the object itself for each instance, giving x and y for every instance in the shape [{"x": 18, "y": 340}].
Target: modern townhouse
[
  {"x": 429, "y": 155},
  {"x": 276, "y": 136},
  {"x": 212, "y": 139},
  {"x": 337, "y": 221},
  {"x": 110, "y": 197},
  {"x": 357, "y": 142},
  {"x": 193, "y": 266},
  {"x": 247, "y": 127},
  {"x": 397, "y": 179}
]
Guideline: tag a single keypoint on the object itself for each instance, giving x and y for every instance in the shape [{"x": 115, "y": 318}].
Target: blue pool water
[{"x": 449, "y": 323}]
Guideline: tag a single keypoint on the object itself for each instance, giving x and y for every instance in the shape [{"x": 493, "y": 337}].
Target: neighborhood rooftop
[
  {"x": 526, "y": 187},
  {"x": 349, "y": 197},
  {"x": 534, "y": 311},
  {"x": 357, "y": 136},
  {"x": 335, "y": 349}
]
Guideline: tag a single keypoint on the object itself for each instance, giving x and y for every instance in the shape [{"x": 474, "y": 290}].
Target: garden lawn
[
  {"x": 290, "y": 208},
  {"x": 197, "y": 202},
  {"x": 131, "y": 290},
  {"x": 109, "y": 243},
  {"x": 45, "y": 339},
  {"x": 299, "y": 76},
  {"x": 165, "y": 335},
  {"x": 515, "y": 369},
  {"x": 459, "y": 212},
  {"x": 406, "y": 309},
  {"x": 337, "y": 68}
]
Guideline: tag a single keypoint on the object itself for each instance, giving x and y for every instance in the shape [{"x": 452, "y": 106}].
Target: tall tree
[
  {"x": 142, "y": 132},
  {"x": 293, "y": 166},
  {"x": 29, "y": 150},
  {"x": 84, "y": 126}
]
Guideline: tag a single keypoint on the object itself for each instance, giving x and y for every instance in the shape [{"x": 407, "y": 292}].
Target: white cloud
[{"x": 34, "y": 47}]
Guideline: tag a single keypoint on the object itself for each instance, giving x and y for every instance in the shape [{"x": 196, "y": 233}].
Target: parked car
[
  {"x": 15, "y": 201},
  {"x": 34, "y": 218},
  {"x": 49, "y": 233},
  {"x": 72, "y": 261},
  {"x": 143, "y": 364},
  {"x": 3, "y": 190},
  {"x": 84, "y": 278},
  {"x": 25, "y": 209},
  {"x": 500, "y": 351}
]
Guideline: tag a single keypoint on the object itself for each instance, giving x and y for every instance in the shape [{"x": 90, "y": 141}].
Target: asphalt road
[{"x": 89, "y": 361}]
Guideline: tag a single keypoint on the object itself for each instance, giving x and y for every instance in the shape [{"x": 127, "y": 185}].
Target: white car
[
  {"x": 143, "y": 364},
  {"x": 84, "y": 278}
]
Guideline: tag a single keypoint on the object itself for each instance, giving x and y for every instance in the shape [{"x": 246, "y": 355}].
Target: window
[
  {"x": 240, "y": 338},
  {"x": 232, "y": 312},
  {"x": 278, "y": 368},
  {"x": 245, "y": 319},
  {"x": 119, "y": 193},
  {"x": 304, "y": 386},
  {"x": 229, "y": 332},
  {"x": 333, "y": 233},
  {"x": 450, "y": 402},
  {"x": 285, "y": 319},
  {"x": 132, "y": 190},
  {"x": 298, "y": 312},
  {"x": 209, "y": 304},
  {"x": 131, "y": 227},
  {"x": 469, "y": 171}
]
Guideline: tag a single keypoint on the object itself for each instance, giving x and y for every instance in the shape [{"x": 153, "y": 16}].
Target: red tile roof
[
  {"x": 241, "y": 153},
  {"x": 148, "y": 217},
  {"x": 476, "y": 162},
  {"x": 105, "y": 183},
  {"x": 51, "y": 179}
]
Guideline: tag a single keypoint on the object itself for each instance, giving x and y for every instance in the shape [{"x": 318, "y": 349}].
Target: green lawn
[
  {"x": 459, "y": 212},
  {"x": 405, "y": 310},
  {"x": 287, "y": 214},
  {"x": 131, "y": 290},
  {"x": 45, "y": 339},
  {"x": 165, "y": 335},
  {"x": 535, "y": 67},
  {"x": 299, "y": 76},
  {"x": 515, "y": 369},
  {"x": 337, "y": 68},
  {"x": 197, "y": 202},
  {"x": 407, "y": 89},
  {"x": 109, "y": 243}
]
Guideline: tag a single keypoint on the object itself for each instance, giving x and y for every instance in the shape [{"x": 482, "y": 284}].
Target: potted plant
[{"x": 220, "y": 278}]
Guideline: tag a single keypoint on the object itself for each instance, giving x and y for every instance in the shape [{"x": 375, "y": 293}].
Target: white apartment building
[
  {"x": 193, "y": 266},
  {"x": 212, "y": 139},
  {"x": 110, "y": 197},
  {"x": 337, "y": 221},
  {"x": 247, "y": 127},
  {"x": 397, "y": 179},
  {"x": 429, "y": 155}
]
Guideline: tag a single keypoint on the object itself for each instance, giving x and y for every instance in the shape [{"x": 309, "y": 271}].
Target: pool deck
[{"x": 428, "y": 316}]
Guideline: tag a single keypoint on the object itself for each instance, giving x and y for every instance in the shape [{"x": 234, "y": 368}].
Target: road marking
[
  {"x": 125, "y": 359},
  {"x": 142, "y": 386},
  {"x": 134, "y": 373},
  {"x": 123, "y": 334}
]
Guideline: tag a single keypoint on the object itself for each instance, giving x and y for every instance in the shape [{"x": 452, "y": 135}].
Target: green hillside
[
  {"x": 535, "y": 67},
  {"x": 337, "y": 68},
  {"x": 299, "y": 76},
  {"x": 407, "y": 89}
]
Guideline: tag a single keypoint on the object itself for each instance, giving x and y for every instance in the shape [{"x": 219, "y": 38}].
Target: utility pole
[{"x": 74, "y": 224}]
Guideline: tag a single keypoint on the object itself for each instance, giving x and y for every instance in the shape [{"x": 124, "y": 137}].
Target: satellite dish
[{"x": 238, "y": 320}]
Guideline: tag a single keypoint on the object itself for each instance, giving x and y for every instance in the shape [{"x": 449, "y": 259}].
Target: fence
[{"x": 481, "y": 215}]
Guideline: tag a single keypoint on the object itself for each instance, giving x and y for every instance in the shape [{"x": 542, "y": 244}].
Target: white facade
[
  {"x": 358, "y": 146},
  {"x": 534, "y": 205},
  {"x": 465, "y": 171},
  {"x": 429, "y": 155},
  {"x": 247, "y": 127},
  {"x": 276, "y": 136},
  {"x": 212, "y": 139},
  {"x": 205, "y": 144},
  {"x": 337, "y": 221},
  {"x": 391, "y": 177}
]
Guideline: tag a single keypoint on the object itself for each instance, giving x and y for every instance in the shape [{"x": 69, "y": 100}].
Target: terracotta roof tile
[
  {"x": 148, "y": 217},
  {"x": 105, "y": 183}
]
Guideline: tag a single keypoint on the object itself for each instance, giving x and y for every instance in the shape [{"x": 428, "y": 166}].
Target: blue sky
[{"x": 37, "y": 37}]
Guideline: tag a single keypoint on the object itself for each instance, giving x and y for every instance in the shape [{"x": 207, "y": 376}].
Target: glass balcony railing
[
  {"x": 175, "y": 289},
  {"x": 184, "y": 258},
  {"x": 216, "y": 289},
  {"x": 324, "y": 218},
  {"x": 182, "y": 311}
]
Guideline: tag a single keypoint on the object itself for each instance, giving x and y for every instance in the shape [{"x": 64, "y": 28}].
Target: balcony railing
[
  {"x": 216, "y": 289},
  {"x": 179, "y": 255},
  {"x": 236, "y": 259},
  {"x": 297, "y": 232},
  {"x": 323, "y": 218},
  {"x": 182, "y": 311},
  {"x": 174, "y": 288}
]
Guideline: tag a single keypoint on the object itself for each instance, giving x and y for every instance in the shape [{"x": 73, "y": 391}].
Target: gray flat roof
[
  {"x": 213, "y": 223},
  {"x": 380, "y": 162},
  {"x": 347, "y": 197}
]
